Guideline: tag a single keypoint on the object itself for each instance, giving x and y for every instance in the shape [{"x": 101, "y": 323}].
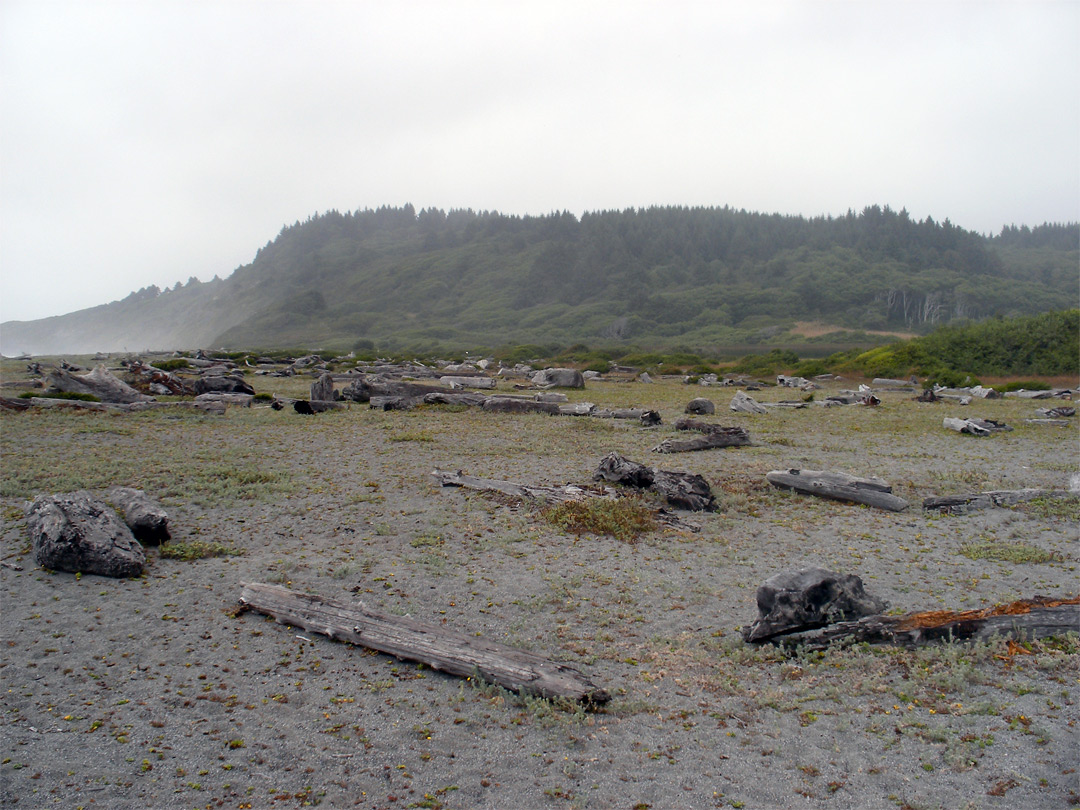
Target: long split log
[
  {"x": 429, "y": 644},
  {"x": 1028, "y": 618},
  {"x": 962, "y": 504},
  {"x": 839, "y": 486}
]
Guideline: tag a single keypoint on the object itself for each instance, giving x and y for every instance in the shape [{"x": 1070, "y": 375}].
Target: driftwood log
[
  {"x": 976, "y": 427},
  {"x": 1028, "y": 618},
  {"x": 119, "y": 407},
  {"x": 569, "y": 492},
  {"x": 962, "y": 504},
  {"x": 713, "y": 436},
  {"x": 429, "y": 644},
  {"x": 839, "y": 486},
  {"x": 99, "y": 383},
  {"x": 680, "y": 489}
]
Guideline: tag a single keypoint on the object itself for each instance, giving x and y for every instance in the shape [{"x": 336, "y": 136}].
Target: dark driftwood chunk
[
  {"x": 429, "y": 644},
  {"x": 812, "y": 597},
  {"x": 1028, "y": 618},
  {"x": 681, "y": 489},
  {"x": 78, "y": 533}
]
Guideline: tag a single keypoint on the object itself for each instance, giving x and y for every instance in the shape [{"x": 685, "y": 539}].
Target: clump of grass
[
  {"x": 61, "y": 395},
  {"x": 625, "y": 519},
  {"x": 196, "y": 550},
  {"x": 1008, "y": 552},
  {"x": 1067, "y": 508},
  {"x": 413, "y": 436}
]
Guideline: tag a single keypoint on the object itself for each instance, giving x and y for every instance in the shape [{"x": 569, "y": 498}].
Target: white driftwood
[
  {"x": 432, "y": 645},
  {"x": 839, "y": 486}
]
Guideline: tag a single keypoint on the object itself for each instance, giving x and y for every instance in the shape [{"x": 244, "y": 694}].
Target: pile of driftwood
[{"x": 813, "y": 608}]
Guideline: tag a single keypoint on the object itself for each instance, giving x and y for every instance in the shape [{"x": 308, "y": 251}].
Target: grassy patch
[
  {"x": 413, "y": 436},
  {"x": 1008, "y": 552},
  {"x": 62, "y": 395},
  {"x": 197, "y": 550},
  {"x": 624, "y": 519},
  {"x": 1065, "y": 508}
]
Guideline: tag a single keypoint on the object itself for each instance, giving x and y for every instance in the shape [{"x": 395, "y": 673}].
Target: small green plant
[
  {"x": 196, "y": 550},
  {"x": 413, "y": 436},
  {"x": 1008, "y": 552},
  {"x": 1067, "y": 508},
  {"x": 624, "y": 519},
  {"x": 61, "y": 395},
  {"x": 173, "y": 364}
]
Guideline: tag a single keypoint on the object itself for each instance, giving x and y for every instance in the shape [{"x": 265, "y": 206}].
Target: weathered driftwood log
[
  {"x": 713, "y": 436},
  {"x": 432, "y": 645},
  {"x": 78, "y": 533},
  {"x": 794, "y": 601},
  {"x": 9, "y": 404},
  {"x": 1063, "y": 393},
  {"x": 223, "y": 384},
  {"x": 744, "y": 403},
  {"x": 839, "y": 486},
  {"x": 1048, "y": 422},
  {"x": 568, "y": 492},
  {"x": 976, "y": 427},
  {"x": 476, "y": 381},
  {"x": 99, "y": 383},
  {"x": 1027, "y": 618},
  {"x": 1056, "y": 413},
  {"x": 147, "y": 519},
  {"x": 518, "y": 405},
  {"x": 119, "y": 407},
  {"x": 700, "y": 406},
  {"x": 322, "y": 390},
  {"x": 962, "y": 504},
  {"x": 680, "y": 489},
  {"x": 470, "y": 398},
  {"x": 619, "y": 413},
  {"x": 558, "y": 378},
  {"x": 577, "y": 409}
]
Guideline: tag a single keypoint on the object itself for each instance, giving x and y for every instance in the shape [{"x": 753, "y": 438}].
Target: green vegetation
[
  {"x": 1007, "y": 552},
  {"x": 196, "y": 550},
  {"x": 624, "y": 519},
  {"x": 1045, "y": 344},
  {"x": 75, "y": 396},
  {"x": 393, "y": 280}
]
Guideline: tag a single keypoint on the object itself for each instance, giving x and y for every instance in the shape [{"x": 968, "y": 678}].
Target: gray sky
[{"x": 146, "y": 142}]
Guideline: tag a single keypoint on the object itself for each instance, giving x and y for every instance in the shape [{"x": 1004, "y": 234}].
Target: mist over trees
[{"x": 662, "y": 276}]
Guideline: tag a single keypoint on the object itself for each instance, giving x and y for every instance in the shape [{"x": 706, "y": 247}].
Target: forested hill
[{"x": 395, "y": 279}]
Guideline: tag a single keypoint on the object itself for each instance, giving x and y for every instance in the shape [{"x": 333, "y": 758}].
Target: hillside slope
[{"x": 697, "y": 277}]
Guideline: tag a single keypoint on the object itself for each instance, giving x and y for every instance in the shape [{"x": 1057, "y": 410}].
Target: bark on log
[
  {"x": 962, "y": 504},
  {"x": 432, "y": 645},
  {"x": 838, "y": 486},
  {"x": 1028, "y": 618}
]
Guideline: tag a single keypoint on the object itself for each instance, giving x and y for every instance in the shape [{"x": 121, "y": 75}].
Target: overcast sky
[{"x": 147, "y": 142}]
